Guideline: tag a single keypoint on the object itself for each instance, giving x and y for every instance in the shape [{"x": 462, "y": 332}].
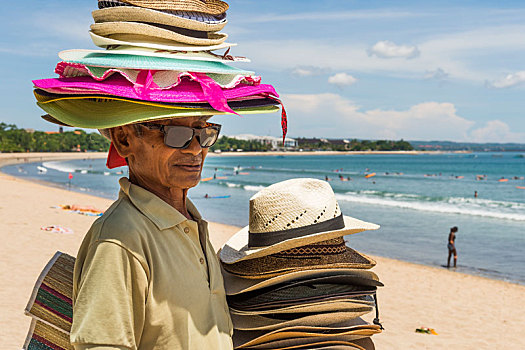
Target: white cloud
[
  {"x": 438, "y": 74},
  {"x": 388, "y": 49},
  {"x": 342, "y": 79},
  {"x": 332, "y": 115},
  {"x": 343, "y": 118},
  {"x": 496, "y": 131},
  {"x": 509, "y": 80},
  {"x": 307, "y": 71}
]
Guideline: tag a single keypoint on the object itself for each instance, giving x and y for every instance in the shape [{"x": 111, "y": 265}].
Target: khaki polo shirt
[{"x": 142, "y": 281}]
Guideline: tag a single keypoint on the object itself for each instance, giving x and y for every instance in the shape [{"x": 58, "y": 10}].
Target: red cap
[{"x": 114, "y": 159}]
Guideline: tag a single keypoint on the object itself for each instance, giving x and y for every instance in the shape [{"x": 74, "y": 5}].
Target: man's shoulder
[{"x": 122, "y": 224}]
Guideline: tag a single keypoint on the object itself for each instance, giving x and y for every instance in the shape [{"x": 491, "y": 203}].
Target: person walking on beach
[{"x": 452, "y": 246}]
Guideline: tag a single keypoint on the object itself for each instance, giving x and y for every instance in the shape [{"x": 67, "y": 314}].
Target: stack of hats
[
  {"x": 291, "y": 281},
  {"x": 159, "y": 61}
]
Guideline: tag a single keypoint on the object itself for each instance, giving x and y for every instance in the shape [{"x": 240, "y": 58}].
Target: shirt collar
[{"x": 162, "y": 214}]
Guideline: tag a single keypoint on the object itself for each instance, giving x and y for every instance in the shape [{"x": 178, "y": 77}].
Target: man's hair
[{"x": 454, "y": 229}]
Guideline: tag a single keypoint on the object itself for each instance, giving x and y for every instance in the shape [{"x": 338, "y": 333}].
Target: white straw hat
[{"x": 290, "y": 214}]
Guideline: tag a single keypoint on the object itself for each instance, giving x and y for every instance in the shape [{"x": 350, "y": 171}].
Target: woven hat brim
[
  {"x": 236, "y": 248},
  {"x": 234, "y": 284},
  {"x": 145, "y": 30},
  {"x": 180, "y": 55},
  {"x": 212, "y": 7},
  {"x": 256, "y": 322},
  {"x": 322, "y": 306},
  {"x": 140, "y": 14},
  {"x": 242, "y": 339},
  {"x": 97, "y": 115},
  {"x": 156, "y": 43},
  {"x": 269, "y": 266},
  {"x": 311, "y": 343},
  {"x": 100, "y": 58}
]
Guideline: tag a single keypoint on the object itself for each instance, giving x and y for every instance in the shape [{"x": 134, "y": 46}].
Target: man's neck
[{"x": 175, "y": 197}]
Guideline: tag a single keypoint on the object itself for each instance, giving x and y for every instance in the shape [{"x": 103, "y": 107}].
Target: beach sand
[{"x": 468, "y": 312}]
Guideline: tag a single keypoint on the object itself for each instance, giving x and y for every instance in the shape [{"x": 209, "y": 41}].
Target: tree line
[
  {"x": 353, "y": 145},
  {"x": 13, "y": 139}
]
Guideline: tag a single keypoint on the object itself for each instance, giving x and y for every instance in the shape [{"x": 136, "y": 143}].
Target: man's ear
[{"x": 120, "y": 136}]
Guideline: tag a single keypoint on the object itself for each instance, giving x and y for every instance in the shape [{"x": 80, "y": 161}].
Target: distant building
[
  {"x": 309, "y": 142},
  {"x": 274, "y": 142}
]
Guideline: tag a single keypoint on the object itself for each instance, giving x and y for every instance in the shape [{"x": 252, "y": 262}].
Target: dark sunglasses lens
[
  {"x": 178, "y": 136},
  {"x": 208, "y": 137}
]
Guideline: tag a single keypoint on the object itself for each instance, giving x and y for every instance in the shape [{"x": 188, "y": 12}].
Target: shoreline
[
  {"x": 330, "y": 153},
  {"x": 37, "y": 157},
  {"x": 455, "y": 304}
]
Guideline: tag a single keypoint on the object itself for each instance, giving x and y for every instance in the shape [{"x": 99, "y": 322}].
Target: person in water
[{"x": 452, "y": 246}]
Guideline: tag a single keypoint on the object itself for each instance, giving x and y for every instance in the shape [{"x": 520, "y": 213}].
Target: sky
[{"x": 417, "y": 70}]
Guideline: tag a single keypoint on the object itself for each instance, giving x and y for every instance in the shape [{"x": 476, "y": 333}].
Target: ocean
[{"x": 415, "y": 199}]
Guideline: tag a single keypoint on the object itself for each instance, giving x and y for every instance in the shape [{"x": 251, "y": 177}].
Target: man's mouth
[{"x": 189, "y": 166}]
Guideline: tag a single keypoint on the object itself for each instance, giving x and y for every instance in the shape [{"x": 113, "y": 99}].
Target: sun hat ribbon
[
  {"x": 114, "y": 159},
  {"x": 265, "y": 239}
]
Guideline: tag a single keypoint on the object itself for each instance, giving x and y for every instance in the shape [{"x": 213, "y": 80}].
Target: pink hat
[{"x": 200, "y": 89}]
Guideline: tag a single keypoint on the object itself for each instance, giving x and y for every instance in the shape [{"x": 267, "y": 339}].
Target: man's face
[{"x": 152, "y": 162}]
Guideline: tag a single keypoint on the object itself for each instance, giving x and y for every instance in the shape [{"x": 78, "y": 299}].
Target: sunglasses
[{"x": 177, "y": 136}]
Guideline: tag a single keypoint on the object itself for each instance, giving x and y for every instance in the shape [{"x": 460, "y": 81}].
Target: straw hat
[
  {"x": 145, "y": 31},
  {"x": 290, "y": 214},
  {"x": 106, "y": 113},
  {"x": 113, "y": 59},
  {"x": 358, "y": 326},
  {"x": 337, "y": 342},
  {"x": 177, "y": 54},
  {"x": 213, "y": 7},
  {"x": 346, "y": 304},
  {"x": 332, "y": 253},
  {"x": 234, "y": 284},
  {"x": 154, "y": 43},
  {"x": 139, "y": 14},
  {"x": 320, "y": 289},
  {"x": 248, "y": 338},
  {"x": 257, "y": 322}
]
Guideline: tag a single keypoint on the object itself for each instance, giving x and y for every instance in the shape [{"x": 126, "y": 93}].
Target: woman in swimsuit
[{"x": 452, "y": 246}]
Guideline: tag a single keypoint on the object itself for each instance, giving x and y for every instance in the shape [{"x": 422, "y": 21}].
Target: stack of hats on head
[
  {"x": 291, "y": 281},
  {"x": 159, "y": 61}
]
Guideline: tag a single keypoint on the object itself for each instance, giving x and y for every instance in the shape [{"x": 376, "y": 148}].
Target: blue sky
[{"x": 418, "y": 70}]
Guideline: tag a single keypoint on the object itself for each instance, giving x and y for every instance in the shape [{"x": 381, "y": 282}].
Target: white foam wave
[
  {"x": 452, "y": 205},
  {"x": 59, "y": 166},
  {"x": 253, "y": 188},
  {"x": 229, "y": 184}
]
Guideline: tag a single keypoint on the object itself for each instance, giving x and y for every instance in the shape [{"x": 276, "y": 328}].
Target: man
[
  {"x": 452, "y": 246},
  {"x": 146, "y": 275}
]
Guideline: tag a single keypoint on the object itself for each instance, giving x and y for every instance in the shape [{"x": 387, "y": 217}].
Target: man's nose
[{"x": 194, "y": 147}]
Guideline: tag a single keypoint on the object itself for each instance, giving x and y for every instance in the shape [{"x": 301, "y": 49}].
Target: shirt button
[
  {"x": 201, "y": 260},
  {"x": 187, "y": 230}
]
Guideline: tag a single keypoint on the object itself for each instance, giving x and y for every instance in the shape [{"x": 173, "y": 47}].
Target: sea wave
[
  {"x": 64, "y": 167},
  {"x": 450, "y": 205},
  {"x": 253, "y": 188}
]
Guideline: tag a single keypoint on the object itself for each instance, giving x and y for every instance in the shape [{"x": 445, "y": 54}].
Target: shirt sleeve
[{"x": 109, "y": 308}]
